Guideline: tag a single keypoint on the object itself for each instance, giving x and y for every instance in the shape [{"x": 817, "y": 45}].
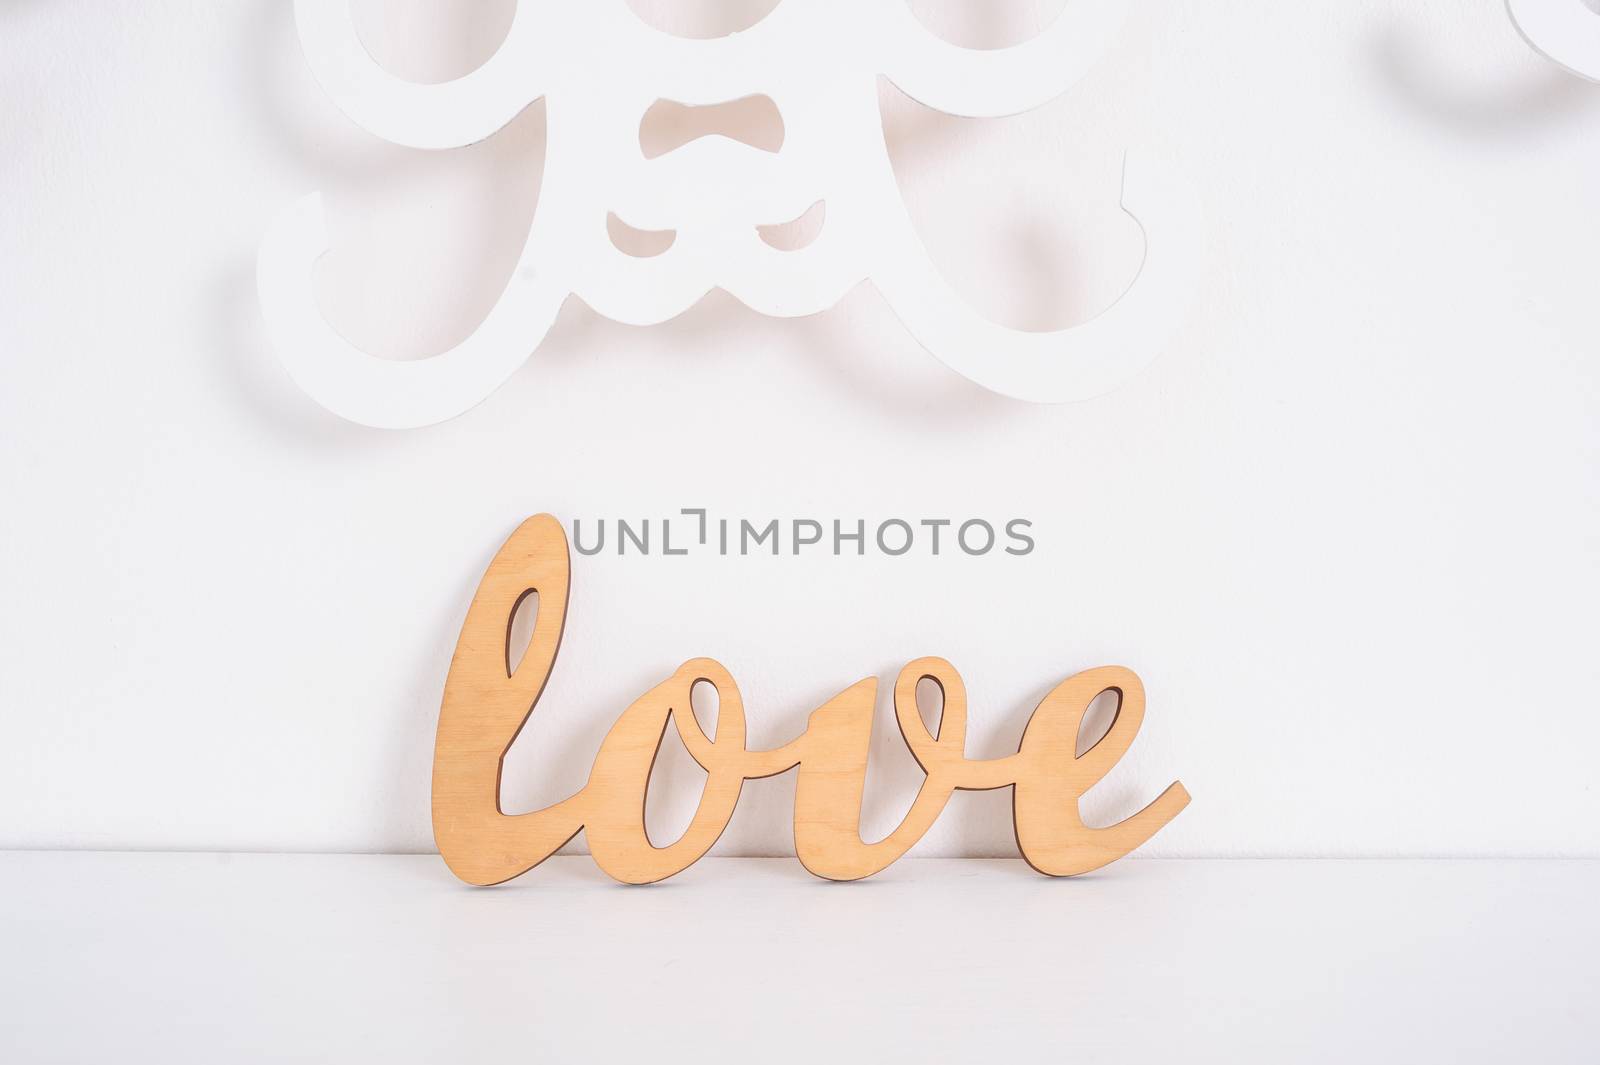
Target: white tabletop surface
[{"x": 242, "y": 958}]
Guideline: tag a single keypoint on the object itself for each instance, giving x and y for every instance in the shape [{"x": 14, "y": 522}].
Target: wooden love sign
[{"x": 487, "y": 700}]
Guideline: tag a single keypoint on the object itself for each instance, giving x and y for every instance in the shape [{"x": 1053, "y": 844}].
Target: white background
[{"x": 1346, "y": 528}]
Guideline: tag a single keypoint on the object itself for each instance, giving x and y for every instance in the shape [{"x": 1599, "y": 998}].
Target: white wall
[{"x": 1346, "y": 529}]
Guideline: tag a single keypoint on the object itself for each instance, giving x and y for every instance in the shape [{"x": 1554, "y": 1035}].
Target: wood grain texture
[{"x": 488, "y": 698}]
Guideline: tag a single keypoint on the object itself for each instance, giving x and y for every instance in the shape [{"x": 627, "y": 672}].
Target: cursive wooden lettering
[{"x": 487, "y": 699}]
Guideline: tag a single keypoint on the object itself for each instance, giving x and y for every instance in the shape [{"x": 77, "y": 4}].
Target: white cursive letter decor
[
  {"x": 1564, "y": 31},
  {"x": 600, "y": 69}
]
